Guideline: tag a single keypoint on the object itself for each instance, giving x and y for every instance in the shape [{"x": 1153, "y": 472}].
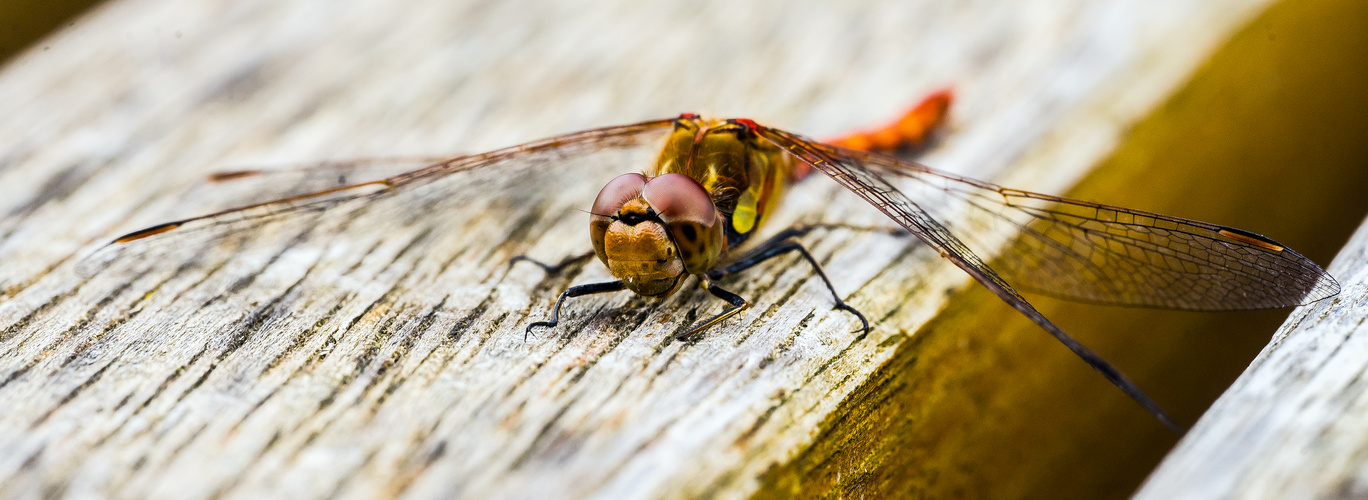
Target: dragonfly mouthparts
[{"x": 633, "y": 218}]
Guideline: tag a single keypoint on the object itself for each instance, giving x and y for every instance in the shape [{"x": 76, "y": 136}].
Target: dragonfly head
[{"x": 652, "y": 232}]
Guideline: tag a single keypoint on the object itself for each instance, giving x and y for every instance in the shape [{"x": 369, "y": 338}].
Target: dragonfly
[{"x": 708, "y": 186}]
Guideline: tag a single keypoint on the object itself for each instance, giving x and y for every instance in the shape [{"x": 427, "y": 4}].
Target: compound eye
[
  {"x": 620, "y": 190},
  {"x": 677, "y": 197}
]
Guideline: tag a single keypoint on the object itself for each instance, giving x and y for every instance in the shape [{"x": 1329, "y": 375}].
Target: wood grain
[
  {"x": 382, "y": 354},
  {"x": 1288, "y": 427}
]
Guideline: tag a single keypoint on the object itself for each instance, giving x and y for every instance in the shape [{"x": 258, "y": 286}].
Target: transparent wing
[
  {"x": 1071, "y": 248},
  {"x": 326, "y": 173},
  {"x": 1098, "y": 253},
  {"x": 446, "y": 196}
]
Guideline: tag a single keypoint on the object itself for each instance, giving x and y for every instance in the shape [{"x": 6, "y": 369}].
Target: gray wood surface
[
  {"x": 382, "y": 354},
  {"x": 1291, "y": 426}
]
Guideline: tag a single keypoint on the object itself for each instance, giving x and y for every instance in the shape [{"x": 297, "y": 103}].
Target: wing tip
[
  {"x": 232, "y": 175},
  {"x": 145, "y": 232},
  {"x": 1324, "y": 287}
]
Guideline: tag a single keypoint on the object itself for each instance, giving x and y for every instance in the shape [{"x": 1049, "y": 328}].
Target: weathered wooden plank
[
  {"x": 383, "y": 354},
  {"x": 1291, "y": 426},
  {"x": 1265, "y": 136}
]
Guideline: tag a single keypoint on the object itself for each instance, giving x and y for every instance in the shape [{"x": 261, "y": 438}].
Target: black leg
[
  {"x": 552, "y": 268},
  {"x": 776, "y": 246},
  {"x": 738, "y": 304},
  {"x": 575, "y": 291}
]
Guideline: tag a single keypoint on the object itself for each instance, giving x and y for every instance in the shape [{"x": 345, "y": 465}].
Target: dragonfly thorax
[{"x": 652, "y": 232}]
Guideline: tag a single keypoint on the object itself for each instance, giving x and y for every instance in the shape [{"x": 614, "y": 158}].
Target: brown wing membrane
[{"x": 152, "y": 241}]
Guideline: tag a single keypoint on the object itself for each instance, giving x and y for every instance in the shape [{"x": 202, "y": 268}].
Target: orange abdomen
[{"x": 912, "y": 131}]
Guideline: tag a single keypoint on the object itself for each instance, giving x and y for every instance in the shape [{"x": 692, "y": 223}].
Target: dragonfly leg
[
  {"x": 738, "y": 304},
  {"x": 552, "y": 268},
  {"x": 779, "y": 245},
  {"x": 575, "y": 291}
]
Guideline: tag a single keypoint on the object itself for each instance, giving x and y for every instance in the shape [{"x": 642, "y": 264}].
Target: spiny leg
[
  {"x": 779, "y": 245},
  {"x": 575, "y": 291},
  {"x": 552, "y": 268},
  {"x": 738, "y": 304}
]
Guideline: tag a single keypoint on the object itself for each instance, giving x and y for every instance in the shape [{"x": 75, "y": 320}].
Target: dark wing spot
[{"x": 689, "y": 232}]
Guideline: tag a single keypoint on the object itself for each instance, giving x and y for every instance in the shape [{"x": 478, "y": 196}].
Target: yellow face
[{"x": 652, "y": 233}]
